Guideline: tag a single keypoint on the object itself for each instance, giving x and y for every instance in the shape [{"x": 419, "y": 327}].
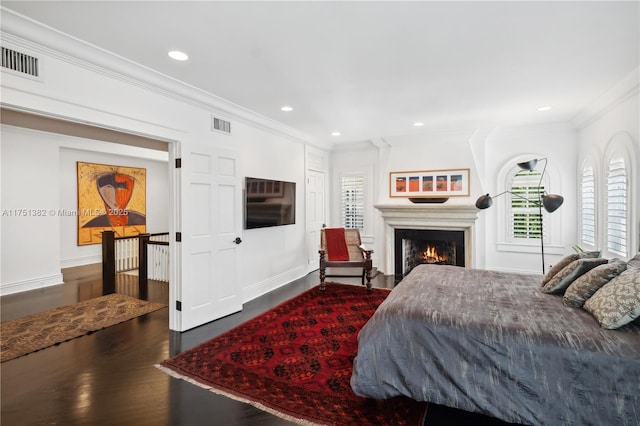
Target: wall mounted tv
[{"x": 269, "y": 203}]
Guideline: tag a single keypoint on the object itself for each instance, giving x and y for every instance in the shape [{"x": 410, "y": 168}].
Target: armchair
[{"x": 342, "y": 248}]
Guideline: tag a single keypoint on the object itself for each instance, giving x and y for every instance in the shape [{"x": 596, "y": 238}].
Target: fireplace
[
  {"x": 457, "y": 219},
  {"x": 413, "y": 247}
]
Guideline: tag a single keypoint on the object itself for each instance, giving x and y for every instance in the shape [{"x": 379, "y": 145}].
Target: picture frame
[
  {"x": 110, "y": 198},
  {"x": 429, "y": 183}
]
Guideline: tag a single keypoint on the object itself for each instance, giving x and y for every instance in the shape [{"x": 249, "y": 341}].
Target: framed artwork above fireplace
[{"x": 429, "y": 183}]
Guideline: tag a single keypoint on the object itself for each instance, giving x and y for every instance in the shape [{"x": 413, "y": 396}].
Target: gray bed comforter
[{"x": 492, "y": 342}]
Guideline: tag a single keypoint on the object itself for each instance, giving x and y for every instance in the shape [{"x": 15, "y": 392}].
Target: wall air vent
[
  {"x": 19, "y": 62},
  {"x": 220, "y": 125}
]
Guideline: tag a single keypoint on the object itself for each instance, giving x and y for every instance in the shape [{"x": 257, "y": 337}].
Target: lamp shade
[
  {"x": 528, "y": 165},
  {"x": 551, "y": 202},
  {"x": 484, "y": 202}
]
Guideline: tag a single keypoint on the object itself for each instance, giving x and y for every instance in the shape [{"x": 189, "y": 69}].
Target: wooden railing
[{"x": 148, "y": 253}]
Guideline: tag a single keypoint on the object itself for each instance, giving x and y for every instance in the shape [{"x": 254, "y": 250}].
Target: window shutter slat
[
  {"x": 617, "y": 211},
  {"x": 352, "y": 202},
  {"x": 588, "y": 216},
  {"x": 525, "y": 213}
]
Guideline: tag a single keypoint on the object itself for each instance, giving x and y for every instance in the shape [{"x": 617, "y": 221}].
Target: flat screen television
[{"x": 269, "y": 202}]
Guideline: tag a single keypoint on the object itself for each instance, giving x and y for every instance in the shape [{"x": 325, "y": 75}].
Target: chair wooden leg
[
  {"x": 323, "y": 267},
  {"x": 323, "y": 286},
  {"x": 368, "y": 266},
  {"x": 368, "y": 276}
]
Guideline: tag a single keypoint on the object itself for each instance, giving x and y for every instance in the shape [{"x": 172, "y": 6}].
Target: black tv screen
[{"x": 269, "y": 203}]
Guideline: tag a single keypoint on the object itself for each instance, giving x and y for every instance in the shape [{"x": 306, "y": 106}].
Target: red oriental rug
[{"x": 295, "y": 361}]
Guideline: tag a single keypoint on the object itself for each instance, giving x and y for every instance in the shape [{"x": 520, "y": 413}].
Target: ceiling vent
[
  {"x": 220, "y": 125},
  {"x": 19, "y": 62}
]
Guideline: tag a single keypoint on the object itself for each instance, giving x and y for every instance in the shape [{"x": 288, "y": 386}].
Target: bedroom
[
  {"x": 83, "y": 83},
  {"x": 487, "y": 148}
]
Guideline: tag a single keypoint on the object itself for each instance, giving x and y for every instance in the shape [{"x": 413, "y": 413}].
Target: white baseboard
[
  {"x": 32, "y": 284},
  {"x": 80, "y": 261},
  {"x": 263, "y": 287}
]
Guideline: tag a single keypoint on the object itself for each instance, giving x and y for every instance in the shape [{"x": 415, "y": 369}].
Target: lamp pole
[{"x": 541, "y": 233}]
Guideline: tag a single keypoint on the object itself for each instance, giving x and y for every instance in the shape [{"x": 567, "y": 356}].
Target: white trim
[
  {"x": 80, "y": 261},
  {"x": 31, "y": 284},
  {"x": 263, "y": 287},
  {"x": 625, "y": 89}
]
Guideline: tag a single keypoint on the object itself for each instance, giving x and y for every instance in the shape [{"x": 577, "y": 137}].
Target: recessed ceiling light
[
  {"x": 418, "y": 124},
  {"x": 544, "y": 108},
  {"x": 286, "y": 108},
  {"x": 335, "y": 133},
  {"x": 178, "y": 55}
]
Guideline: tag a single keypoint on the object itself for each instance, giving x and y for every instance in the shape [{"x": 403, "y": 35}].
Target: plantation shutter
[
  {"x": 352, "y": 201},
  {"x": 617, "y": 206},
  {"x": 525, "y": 212},
  {"x": 588, "y": 212}
]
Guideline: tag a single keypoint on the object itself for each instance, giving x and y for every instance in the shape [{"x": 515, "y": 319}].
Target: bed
[{"x": 492, "y": 342}]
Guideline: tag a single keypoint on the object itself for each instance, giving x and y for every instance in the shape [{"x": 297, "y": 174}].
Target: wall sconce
[{"x": 550, "y": 202}]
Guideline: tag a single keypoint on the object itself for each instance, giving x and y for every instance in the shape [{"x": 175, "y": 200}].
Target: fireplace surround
[
  {"x": 413, "y": 247},
  {"x": 437, "y": 217}
]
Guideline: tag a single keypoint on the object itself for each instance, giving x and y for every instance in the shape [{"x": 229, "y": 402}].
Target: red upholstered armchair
[{"x": 342, "y": 248}]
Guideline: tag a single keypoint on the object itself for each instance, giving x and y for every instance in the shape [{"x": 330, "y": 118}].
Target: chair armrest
[{"x": 363, "y": 249}]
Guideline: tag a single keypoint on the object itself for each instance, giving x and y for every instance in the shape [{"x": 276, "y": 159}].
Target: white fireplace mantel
[{"x": 427, "y": 216}]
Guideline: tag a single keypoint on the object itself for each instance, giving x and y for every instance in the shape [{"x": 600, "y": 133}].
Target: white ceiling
[{"x": 371, "y": 69}]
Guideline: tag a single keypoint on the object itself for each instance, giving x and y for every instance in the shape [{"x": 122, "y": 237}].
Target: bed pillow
[
  {"x": 585, "y": 286},
  {"x": 565, "y": 261},
  {"x": 617, "y": 302},
  {"x": 634, "y": 262},
  {"x": 560, "y": 281}
]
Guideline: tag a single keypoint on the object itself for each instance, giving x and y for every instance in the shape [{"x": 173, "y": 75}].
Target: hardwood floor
[{"x": 108, "y": 377}]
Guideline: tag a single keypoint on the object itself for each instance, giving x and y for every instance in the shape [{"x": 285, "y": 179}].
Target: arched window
[
  {"x": 617, "y": 205},
  {"x": 587, "y": 199},
  {"x": 619, "y": 181},
  {"x": 521, "y": 229},
  {"x": 525, "y": 219}
]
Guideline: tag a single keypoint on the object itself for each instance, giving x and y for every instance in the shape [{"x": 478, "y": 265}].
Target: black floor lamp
[{"x": 550, "y": 202}]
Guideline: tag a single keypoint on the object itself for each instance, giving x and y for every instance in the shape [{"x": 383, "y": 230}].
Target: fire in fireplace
[
  {"x": 431, "y": 254},
  {"x": 417, "y": 246}
]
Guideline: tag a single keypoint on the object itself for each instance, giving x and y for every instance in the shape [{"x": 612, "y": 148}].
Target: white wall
[
  {"x": 446, "y": 150},
  {"x": 274, "y": 255},
  {"x": 46, "y": 163},
  {"x": 503, "y": 148},
  {"x": 30, "y": 232}
]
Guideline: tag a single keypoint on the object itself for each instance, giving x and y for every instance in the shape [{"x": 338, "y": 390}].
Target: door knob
[{"x": 238, "y": 240}]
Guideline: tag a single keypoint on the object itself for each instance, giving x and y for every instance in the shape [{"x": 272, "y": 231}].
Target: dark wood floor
[{"x": 108, "y": 377}]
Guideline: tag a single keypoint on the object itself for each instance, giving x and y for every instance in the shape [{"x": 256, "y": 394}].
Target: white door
[
  {"x": 316, "y": 218},
  {"x": 211, "y": 220}
]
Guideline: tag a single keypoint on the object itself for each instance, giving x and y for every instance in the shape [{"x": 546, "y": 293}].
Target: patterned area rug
[
  {"x": 34, "y": 332},
  {"x": 295, "y": 361}
]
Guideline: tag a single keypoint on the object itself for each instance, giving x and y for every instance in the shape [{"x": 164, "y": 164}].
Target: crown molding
[
  {"x": 625, "y": 89},
  {"x": 36, "y": 37}
]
